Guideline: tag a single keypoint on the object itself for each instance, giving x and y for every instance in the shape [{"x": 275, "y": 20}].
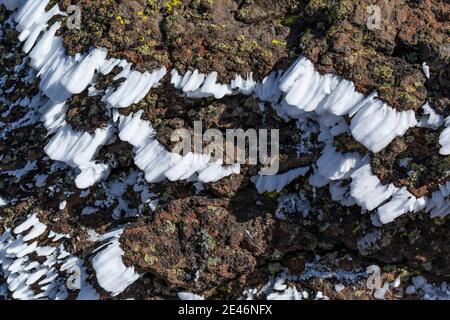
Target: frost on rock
[
  {"x": 340, "y": 191},
  {"x": 112, "y": 275},
  {"x": 335, "y": 165},
  {"x": 81, "y": 75},
  {"x": 160, "y": 164},
  {"x": 134, "y": 88},
  {"x": 277, "y": 182},
  {"x": 198, "y": 85},
  {"x": 444, "y": 139},
  {"x": 431, "y": 118},
  {"x": 116, "y": 191},
  {"x": 35, "y": 271},
  {"x": 36, "y": 262},
  {"x": 292, "y": 204},
  {"x": 367, "y": 189},
  {"x": 62, "y": 76},
  {"x": 400, "y": 203},
  {"x": 374, "y": 124},
  {"x": 439, "y": 202},
  {"x": 77, "y": 149},
  {"x": 392, "y": 202},
  {"x": 300, "y": 92},
  {"x": 306, "y": 90},
  {"x": 189, "y": 296},
  {"x": 267, "y": 89},
  {"x": 287, "y": 286}
]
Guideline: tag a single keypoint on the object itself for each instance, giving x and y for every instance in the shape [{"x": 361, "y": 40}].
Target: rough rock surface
[{"x": 225, "y": 238}]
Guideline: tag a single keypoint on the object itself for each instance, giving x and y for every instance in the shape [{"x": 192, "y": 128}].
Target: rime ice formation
[
  {"x": 392, "y": 202},
  {"x": 374, "y": 124},
  {"x": 431, "y": 118},
  {"x": 439, "y": 203},
  {"x": 426, "y": 70},
  {"x": 198, "y": 85},
  {"x": 300, "y": 93},
  {"x": 267, "y": 89},
  {"x": 306, "y": 90},
  {"x": 401, "y": 202},
  {"x": 277, "y": 182},
  {"x": 116, "y": 196},
  {"x": 335, "y": 165},
  {"x": 112, "y": 275},
  {"x": 77, "y": 149},
  {"x": 134, "y": 88},
  {"x": 62, "y": 76},
  {"x": 444, "y": 139},
  {"x": 160, "y": 164},
  {"x": 189, "y": 296},
  {"x": 367, "y": 189},
  {"x": 80, "y": 76},
  {"x": 35, "y": 271},
  {"x": 341, "y": 193},
  {"x": 283, "y": 286}
]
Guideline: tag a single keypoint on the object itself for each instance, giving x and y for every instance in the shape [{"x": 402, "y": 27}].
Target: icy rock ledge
[
  {"x": 374, "y": 123},
  {"x": 198, "y": 85},
  {"x": 392, "y": 202},
  {"x": 134, "y": 88},
  {"x": 277, "y": 182},
  {"x": 112, "y": 275},
  {"x": 160, "y": 164},
  {"x": 299, "y": 93},
  {"x": 439, "y": 203},
  {"x": 444, "y": 139},
  {"x": 77, "y": 149},
  {"x": 55, "y": 273}
]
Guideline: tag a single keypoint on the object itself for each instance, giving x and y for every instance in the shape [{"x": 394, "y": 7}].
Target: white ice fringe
[
  {"x": 439, "y": 203},
  {"x": 77, "y": 149},
  {"x": 392, "y": 202},
  {"x": 54, "y": 274},
  {"x": 81, "y": 75},
  {"x": 159, "y": 164},
  {"x": 46, "y": 47},
  {"x": 367, "y": 189},
  {"x": 134, "y": 88},
  {"x": 268, "y": 89},
  {"x": 62, "y": 76},
  {"x": 444, "y": 139},
  {"x": 52, "y": 73},
  {"x": 336, "y": 165},
  {"x": 198, "y": 85},
  {"x": 277, "y": 182},
  {"x": 341, "y": 193},
  {"x": 374, "y": 124},
  {"x": 112, "y": 275},
  {"x": 31, "y": 12},
  {"x": 189, "y": 296},
  {"x": 401, "y": 202},
  {"x": 431, "y": 118}
]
